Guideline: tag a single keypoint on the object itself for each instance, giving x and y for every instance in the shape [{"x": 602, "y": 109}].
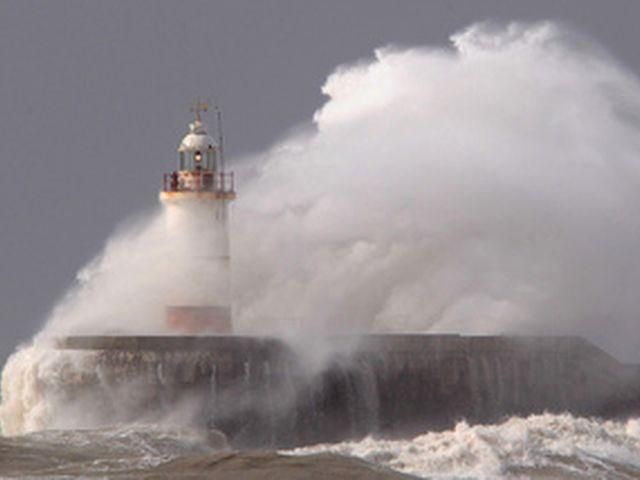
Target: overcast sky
[{"x": 94, "y": 99}]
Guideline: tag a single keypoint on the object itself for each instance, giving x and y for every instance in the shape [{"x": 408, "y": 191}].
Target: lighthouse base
[{"x": 189, "y": 319}]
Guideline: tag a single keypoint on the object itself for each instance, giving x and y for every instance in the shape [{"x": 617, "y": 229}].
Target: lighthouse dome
[{"x": 197, "y": 138}]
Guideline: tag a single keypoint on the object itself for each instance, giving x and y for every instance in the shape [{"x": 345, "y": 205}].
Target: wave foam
[{"x": 556, "y": 445}]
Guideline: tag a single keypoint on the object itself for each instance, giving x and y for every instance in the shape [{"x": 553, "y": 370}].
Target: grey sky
[{"x": 94, "y": 98}]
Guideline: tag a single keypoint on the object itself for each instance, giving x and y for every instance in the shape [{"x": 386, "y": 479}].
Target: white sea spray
[
  {"x": 488, "y": 187},
  {"x": 517, "y": 448}
]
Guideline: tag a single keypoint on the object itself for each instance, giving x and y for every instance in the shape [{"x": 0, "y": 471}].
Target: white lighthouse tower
[{"x": 196, "y": 196}]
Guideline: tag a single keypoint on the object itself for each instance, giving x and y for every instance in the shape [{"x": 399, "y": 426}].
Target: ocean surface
[{"x": 538, "y": 446}]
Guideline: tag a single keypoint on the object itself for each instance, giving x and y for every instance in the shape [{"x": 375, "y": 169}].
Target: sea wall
[{"x": 259, "y": 392}]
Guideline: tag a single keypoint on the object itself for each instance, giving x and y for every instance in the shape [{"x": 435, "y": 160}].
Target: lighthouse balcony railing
[{"x": 221, "y": 182}]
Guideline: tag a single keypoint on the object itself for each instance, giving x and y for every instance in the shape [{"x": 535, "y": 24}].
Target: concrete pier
[{"x": 261, "y": 392}]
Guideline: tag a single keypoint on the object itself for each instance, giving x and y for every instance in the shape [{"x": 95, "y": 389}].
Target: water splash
[{"x": 488, "y": 187}]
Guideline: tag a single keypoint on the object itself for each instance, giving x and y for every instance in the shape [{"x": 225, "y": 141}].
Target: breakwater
[{"x": 260, "y": 393}]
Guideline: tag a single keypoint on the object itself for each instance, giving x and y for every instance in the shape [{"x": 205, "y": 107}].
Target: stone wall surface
[{"x": 261, "y": 393}]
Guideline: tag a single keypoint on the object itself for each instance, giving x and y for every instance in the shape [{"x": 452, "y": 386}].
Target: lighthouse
[{"x": 196, "y": 197}]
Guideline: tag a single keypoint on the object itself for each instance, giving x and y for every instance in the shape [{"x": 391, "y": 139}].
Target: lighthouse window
[
  {"x": 198, "y": 157},
  {"x": 182, "y": 161}
]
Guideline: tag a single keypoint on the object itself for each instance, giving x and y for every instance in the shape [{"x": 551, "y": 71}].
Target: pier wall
[{"x": 259, "y": 393}]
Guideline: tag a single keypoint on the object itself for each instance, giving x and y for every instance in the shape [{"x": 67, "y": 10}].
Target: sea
[{"x": 538, "y": 446}]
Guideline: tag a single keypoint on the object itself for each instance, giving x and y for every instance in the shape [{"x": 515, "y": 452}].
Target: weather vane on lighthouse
[
  {"x": 199, "y": 107},
  {"x": 196, "y": 196}
]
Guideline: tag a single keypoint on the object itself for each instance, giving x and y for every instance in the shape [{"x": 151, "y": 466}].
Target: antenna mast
[{"x": 220, "y": 136}]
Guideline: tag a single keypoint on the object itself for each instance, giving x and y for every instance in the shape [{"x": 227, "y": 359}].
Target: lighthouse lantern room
[{"x": 200, "y": 163}]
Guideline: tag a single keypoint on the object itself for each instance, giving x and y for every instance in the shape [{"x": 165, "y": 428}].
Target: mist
[{"x": 486, "y": 187}]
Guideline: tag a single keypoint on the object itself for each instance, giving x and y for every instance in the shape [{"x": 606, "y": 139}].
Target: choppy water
[
  {"x": 539, "y": 446},
  {"x": 112, "y": 451},
  {"x": 153, "y": 452}
]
